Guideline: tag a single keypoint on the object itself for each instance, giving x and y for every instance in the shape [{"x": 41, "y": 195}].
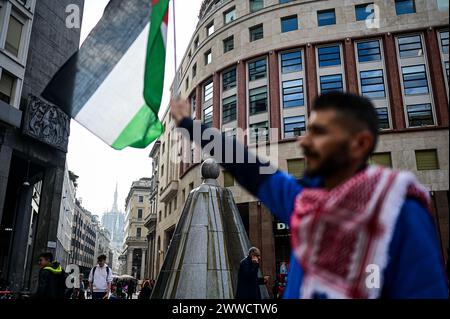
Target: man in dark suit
[{"x": 248, "y": 280}]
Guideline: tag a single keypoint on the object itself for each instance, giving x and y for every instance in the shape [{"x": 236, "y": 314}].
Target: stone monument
[{"x": 209, "y": 242}]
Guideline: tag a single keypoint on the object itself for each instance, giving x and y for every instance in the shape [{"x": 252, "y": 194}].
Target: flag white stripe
[{"x": 120, "y": 96}]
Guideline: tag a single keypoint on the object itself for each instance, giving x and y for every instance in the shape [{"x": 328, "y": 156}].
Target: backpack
[{"x": 93, "y": 272}]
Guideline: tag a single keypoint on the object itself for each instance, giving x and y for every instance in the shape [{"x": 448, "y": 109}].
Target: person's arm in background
[
  {"x": 91, "y": 281},
  {"x": 109, "y": 279},
  {"x": 277, "y": 190},
  {"x": 416, "y": 268}
]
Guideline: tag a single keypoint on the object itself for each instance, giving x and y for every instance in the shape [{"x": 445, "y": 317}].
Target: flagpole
[{"x": 174, "y": 37}]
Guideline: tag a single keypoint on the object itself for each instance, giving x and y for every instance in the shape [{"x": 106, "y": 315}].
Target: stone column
[
  {"x": 216, "y": 100},
  {"x": 5, "y": 163},
  {"x": 393, "y": 82},
  {"x": 310, "y": 75},
  {"x": 143, "y": 263},
  {"x": 274, "y": 94},
  {"x": 437, "y": 77},
  {"x": 242, "y": 99},
  {"x": 20, "y": 238},
  {"x": 351, "y": 75},
  {"x": 129, "y": 267},
  {"x": 49, "y": 209}
]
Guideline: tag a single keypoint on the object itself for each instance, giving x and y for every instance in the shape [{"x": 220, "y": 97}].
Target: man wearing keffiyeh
[{"x": 347, "y": 219}]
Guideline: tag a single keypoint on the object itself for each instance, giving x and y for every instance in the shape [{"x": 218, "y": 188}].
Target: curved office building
[{"x": 259, "y": 64}]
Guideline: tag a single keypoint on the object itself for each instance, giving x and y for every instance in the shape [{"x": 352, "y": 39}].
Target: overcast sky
[{"x": 98, "y": 165}]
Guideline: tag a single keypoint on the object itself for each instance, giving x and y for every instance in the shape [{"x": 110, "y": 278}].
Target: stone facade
[
  {"x": 34, "y": 43},
  {"x": 137, "y": 209}
]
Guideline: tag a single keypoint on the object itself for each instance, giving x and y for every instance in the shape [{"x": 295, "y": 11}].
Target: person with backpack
[
  {"x": 52, "y": 278},
  {"x": 100, "y": 279}
]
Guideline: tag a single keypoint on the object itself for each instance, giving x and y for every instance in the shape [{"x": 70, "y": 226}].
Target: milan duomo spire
[{"x": 115, "y": 207}]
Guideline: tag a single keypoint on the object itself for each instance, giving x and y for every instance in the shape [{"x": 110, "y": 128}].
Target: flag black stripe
[{"x": 73, "y": 85}]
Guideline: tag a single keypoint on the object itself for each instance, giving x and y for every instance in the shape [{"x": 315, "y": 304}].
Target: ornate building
[
  {"x": 34, "y": 43},
  {"x": 114, "y": 222},
  {"x": 259, "y": 64},
  {"x": 135, "y": 244}
]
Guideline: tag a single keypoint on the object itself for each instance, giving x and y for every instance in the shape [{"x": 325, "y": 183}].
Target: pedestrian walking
[
  {"x": 51, "y": 282},
  {"x": 131, "y": 289},
  {"x": 248, "y": 281},
  {"x": 358, "y": 231},
  {"x": 100, "y": 279},
  {"x": 146, "y": 291}
]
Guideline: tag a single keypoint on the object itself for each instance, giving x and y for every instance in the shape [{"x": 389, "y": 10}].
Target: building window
[
  {"x": 208, "y": 116},
  {"x": 285, "y": 1},
  {"x": 210, "y": 29},
  {"x": 420, "y": 115},
  {"x": 229, "y": 15},
  {"x": 196, "y": 42},
  {"x": 228, "y": 44},
  {"x": 326, "y": 17},
  {"x": 14, "y": 36},
  {"x": 369, "y": 51},
  {"x": 383, "y": 117},
  {"x": 446, "y": 70},
  {"x": 139, "y": 213},
  {"x": 410, "y": 46},
  {"x": 427, "y": 160},
  {"x": 293, "y": 93},
  {"x": 296, "y": 167},
  {"x": 229, "y": 79},
  {"x": 258, "y": 100},
  {"x": 256, "y": 5},
  {"x": 208, "y": 57},
  {"x": 138, "y": 232},
  {"x": 6, "y": 87},
  {"x": 257, "y": 69},
  {"x": 329, "y": 55},
  {"x": 229, "y": 109},
  {"x": 175, "y": 203},
  {"x": 259, "y": 132},
  {"x": 187, "y": 83},
  {"x": 382, "y": 159},
  {"x": 330, "y": 83},
  {"x": 444, "y": 41},
  {"x": 372, "y": 84},
  {"x": 294, "y": 126},
  {"x": 289, "y": 23},
  {"x": 141, "y": 199},
  {"x": 231, "y": 132},
  {"x": 194, "y": 70},
  {"x": 228, "y": 179},
  {"x": 363, "y": 11},
  {"x": 405, "y": 7},
  {"x": 291, "y": 62},
  {"x": 415, "y": 80},
  {"x": 256, "y": 32},
  {"x": 208, "y": 90}
]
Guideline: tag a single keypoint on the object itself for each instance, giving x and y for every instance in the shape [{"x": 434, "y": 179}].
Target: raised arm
[{"x": 276, "y": 189}]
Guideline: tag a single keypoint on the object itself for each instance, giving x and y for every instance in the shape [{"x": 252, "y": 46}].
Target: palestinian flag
[{"x": 113, "y": 85}]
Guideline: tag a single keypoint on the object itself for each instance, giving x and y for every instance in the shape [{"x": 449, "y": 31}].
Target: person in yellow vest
[{"x": 51, "y": 284}]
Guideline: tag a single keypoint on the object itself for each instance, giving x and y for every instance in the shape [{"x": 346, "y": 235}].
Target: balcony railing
[{"x": 169, "y": 192}]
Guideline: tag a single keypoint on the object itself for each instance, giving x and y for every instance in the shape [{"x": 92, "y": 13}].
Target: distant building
[
  {"x": 34, "y": 43},
  {"x": 66, "y": 214},
  {"x": 84, "y": 238},
  {"x": 135, "y": 243},
  {"x": 103, "y": 244},
  {"x": 114, "y": 222}
]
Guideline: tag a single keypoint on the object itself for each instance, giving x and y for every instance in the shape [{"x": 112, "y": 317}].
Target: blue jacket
[{"x": 415, "y": 268}]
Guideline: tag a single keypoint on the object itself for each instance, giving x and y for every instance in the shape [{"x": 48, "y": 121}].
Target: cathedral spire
[{"x": 115, "y": 207}]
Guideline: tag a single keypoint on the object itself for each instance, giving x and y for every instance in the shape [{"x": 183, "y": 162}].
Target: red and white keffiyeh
[{"x": 339, "y": 235}]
